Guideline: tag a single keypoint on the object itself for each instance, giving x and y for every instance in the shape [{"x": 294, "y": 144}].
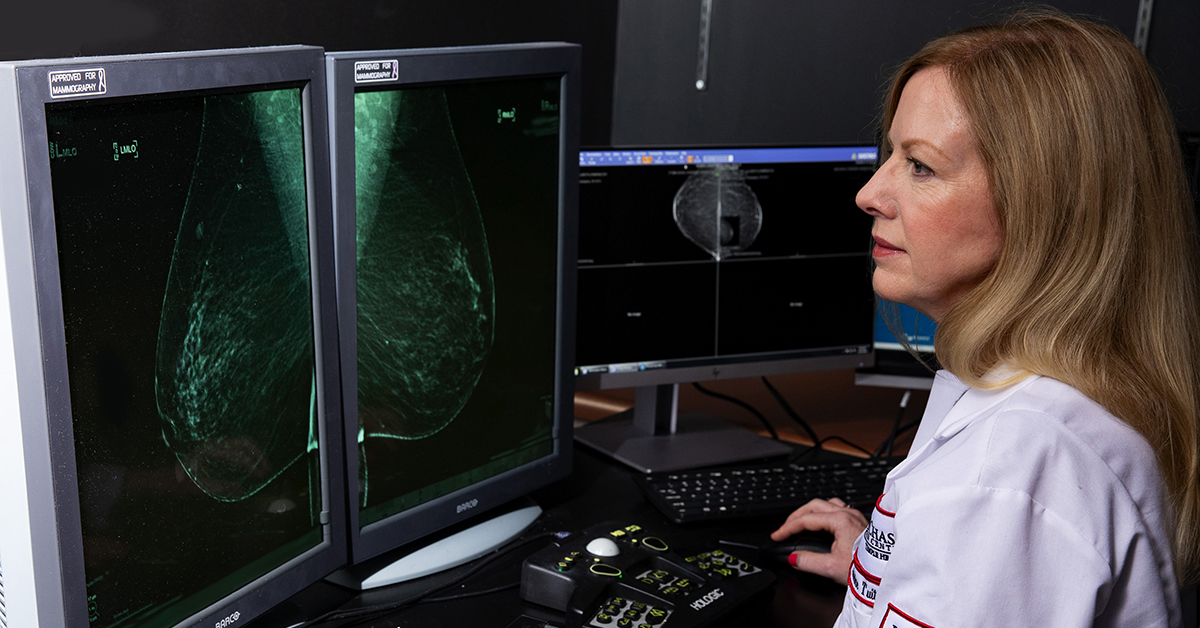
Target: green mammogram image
[
  {"x": 426, "y": 303},
  {"x": 230, "y": 361}
]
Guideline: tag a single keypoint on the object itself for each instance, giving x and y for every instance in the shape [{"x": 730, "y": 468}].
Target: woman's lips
[{"x": 883, "y": 248}]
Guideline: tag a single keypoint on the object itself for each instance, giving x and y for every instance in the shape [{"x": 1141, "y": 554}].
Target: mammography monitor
[
  {"x": 169, "y": 391},
  {"x": 709, "y": 263},
  {"x": 455, "y": 198}
]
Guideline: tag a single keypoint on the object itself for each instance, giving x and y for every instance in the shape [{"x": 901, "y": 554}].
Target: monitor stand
[
  {"x": 496, "y": 530},
  {"x": 651, "y": 437}
]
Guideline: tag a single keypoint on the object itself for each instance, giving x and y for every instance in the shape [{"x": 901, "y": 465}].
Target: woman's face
[{"x": 936, "y": 232}]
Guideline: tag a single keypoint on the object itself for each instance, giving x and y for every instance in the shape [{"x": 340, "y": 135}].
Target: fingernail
[{"x": 792, "y": 558}]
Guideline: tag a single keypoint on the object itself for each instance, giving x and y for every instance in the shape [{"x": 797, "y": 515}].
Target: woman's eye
[{"x": 919, "y": 168}]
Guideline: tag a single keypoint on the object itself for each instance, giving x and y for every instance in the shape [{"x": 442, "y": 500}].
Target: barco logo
[
  {"x": 708, "y": 599},
  {"x": 229, "y": 621},
  {"x": 468, "y": 505}
]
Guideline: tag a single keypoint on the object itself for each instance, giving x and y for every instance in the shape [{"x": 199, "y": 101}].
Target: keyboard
[{"x": 764, "y": 489}]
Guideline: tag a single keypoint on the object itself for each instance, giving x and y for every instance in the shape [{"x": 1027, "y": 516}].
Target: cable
[
  {"x": 743, "y": 404},
  {"x": 885, "y": 448},
  {"x": 821, "y": 443},
  {"x": 460, "y": 596},
  {"x": 369, "y": 612},
  {"x": 908, "y": 426},
  {"x": 792, "y": 413}
]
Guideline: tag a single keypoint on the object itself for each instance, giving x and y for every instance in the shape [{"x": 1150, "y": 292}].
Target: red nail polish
[{"x": 792, "y": 558}]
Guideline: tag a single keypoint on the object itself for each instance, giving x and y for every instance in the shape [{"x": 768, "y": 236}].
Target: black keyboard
[{"x": 764, "y": 489}]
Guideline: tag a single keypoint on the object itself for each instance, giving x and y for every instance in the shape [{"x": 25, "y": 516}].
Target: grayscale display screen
[
  {"x": 456, "y": 194},
  {"x": 709, "y": 257},
  {"x": 183, "y": 252}
]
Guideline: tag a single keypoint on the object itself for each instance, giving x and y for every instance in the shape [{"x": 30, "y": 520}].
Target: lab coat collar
[
  {"x": 975, "y": 402},
  {"x": 946, "y": 391},
  {"x": 953, "y": 406}
]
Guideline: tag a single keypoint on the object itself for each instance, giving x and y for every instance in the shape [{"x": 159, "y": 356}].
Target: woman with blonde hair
[{"x": 1030, "y": 200}]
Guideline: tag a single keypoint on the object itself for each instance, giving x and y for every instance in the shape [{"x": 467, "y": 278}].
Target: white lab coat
[{"x": 1026, "y": 506}]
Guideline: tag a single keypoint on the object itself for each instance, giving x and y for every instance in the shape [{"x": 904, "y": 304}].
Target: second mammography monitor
[{"x": 454, "y": 195}]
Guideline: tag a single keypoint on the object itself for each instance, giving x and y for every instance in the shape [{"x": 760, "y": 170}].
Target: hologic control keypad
[
  {"x": 719, "y": 564},
  {"x": 625, "y": 576},
  {"x": 624, "y": 613}
]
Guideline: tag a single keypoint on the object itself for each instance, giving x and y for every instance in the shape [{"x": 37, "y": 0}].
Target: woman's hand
[{"x": 835, "y": 516}]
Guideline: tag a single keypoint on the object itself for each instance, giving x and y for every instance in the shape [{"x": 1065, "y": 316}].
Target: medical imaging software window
[{"x": 686, "y": 258}]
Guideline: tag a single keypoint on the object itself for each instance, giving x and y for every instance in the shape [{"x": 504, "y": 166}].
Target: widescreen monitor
[
  {"x": 709, "y": 263},
  {"x": 455, "y": 196},
  {"x": 169, "y": 391}
]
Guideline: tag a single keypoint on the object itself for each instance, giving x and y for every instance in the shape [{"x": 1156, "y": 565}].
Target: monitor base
[
  {"x": 446, "y": 553},
  {"x": 692, "y": 442}
]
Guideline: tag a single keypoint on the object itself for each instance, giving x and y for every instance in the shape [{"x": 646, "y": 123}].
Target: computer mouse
[{"x": 807, "y": 541}]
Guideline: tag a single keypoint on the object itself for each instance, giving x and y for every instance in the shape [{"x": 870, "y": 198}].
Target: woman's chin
[{"x": 886, "y": 289}]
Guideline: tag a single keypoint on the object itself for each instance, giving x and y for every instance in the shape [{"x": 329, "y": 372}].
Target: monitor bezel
[
  {"x": 739, "y": 365},
  {"x": 45, "y": 396},
  {"x": 446, "y": 66}
]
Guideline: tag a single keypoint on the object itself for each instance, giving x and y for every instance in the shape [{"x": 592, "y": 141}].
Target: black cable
[
  {"x": 908, "y": 426},
  {"x": 787, "y": 407},
  {"x": 742, "y": 404},
  {"x": 460, "y": 596},
  {"x": 885, "y": 448},
  {"x": 822, "y": 442},
  {"x": 370, "y": 612}
]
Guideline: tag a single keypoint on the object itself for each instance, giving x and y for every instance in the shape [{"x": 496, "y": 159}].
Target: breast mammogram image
[
  {"x": 425, "y": 290},
  {"x": 718, "y": 211}
]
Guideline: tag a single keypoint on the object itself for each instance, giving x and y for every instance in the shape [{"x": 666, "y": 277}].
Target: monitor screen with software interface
[
  {"x": 894, "y": 366},
  {"x": 169, "y": 277},
  {"x": 455, "y": 199},
  {"x": 709, "y": 263},
  {"x": 918, "y": 329},
  {"x": 703, "y": 259}
]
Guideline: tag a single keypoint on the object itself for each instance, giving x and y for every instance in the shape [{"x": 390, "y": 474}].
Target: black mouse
[{"x": 807, "y": 541}]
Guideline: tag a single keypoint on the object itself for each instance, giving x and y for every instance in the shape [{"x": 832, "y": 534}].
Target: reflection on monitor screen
[{"x": 450, "y": 176}]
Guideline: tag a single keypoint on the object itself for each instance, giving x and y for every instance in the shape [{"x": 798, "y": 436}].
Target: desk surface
[
  {"x": 828, "y": 400},
  {"x": 601, "y": 490},
  {"x": 598, "y": 490}
]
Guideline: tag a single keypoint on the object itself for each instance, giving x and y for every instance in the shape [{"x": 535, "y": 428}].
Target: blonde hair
[{"x": 1097, "y": 282}]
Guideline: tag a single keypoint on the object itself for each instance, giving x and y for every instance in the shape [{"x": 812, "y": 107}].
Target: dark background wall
[
  {"x": 779, "y": 71},
  {"x": 63, "y": 28},
  {"x": 782, "y": 72},
  {"x": 1175, "y": 51}
]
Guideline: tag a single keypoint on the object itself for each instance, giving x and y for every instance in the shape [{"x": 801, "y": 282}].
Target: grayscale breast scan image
[
  {"x": 454, "y": 285},
  {"x": 194, "y": 404}
]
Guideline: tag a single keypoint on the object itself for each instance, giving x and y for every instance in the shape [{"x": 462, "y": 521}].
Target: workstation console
[{"x": 282, "y": 325}]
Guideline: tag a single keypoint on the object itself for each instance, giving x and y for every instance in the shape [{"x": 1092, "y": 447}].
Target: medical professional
[{"x": 1031, "y": 200}]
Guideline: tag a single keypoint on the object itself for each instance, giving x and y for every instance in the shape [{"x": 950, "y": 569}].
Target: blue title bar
[{"x": 667, "y": 157}]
